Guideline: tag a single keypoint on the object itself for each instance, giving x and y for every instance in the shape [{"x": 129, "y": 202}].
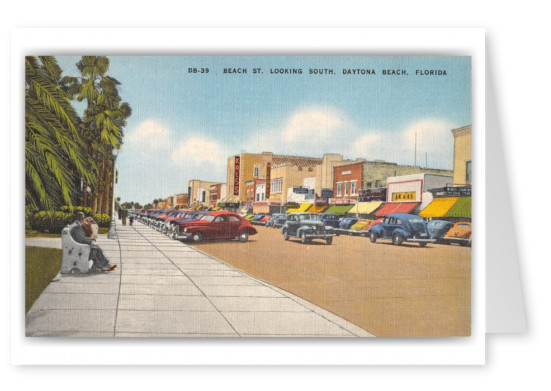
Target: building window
[
  {"x": 339, "y": 189},
  {"x": 368, "y": 185},
  {"x": 276, "y": 185},
  {"x": 468, "y": 174},
  {"x": 345, "y": 188},
  {"x": 353, "y": 187},
  {"x": 255, "y": 171}
]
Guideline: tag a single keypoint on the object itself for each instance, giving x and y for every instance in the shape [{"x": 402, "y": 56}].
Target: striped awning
[
  {"x": 317, "y": 208},
  {"x": 365, "y": 207},
  {"x": 396, "y": 207},
  {"x": 339, "y": 209},
  {"x": 462, "y": 208},
  {"x": 439, "y": 207},
  {"x": 302, "y": 208}
]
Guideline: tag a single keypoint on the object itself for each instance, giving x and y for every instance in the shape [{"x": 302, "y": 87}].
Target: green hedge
[{"x": 53, "y": 222}]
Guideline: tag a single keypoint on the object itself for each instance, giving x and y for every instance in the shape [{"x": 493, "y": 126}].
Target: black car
[
  {"x": 330, "y": 219},
  {"x": 306, "y": 226}
]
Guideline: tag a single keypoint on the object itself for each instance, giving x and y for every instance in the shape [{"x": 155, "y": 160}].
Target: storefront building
[
  {"x": 199, "y": 193},
  {"x": 182, "y": 201},
  {"x": 411, "y": 193},
  {"x": 462, "y": 155}
]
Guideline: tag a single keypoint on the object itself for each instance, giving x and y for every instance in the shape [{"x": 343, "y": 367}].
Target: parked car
[
  {"x": 460, "y": 233},
  {"x": 438, "y": 228},
  {"x": 264, "y": 220},
  {"x": 270, "y": 223},
  {"x": 330, "y": 219},
  {"x": 306, "y": 226},
  {"x": 216, "y": 225},
  {"x": 256, "y": 219},
  {"x": 360, "y": 224},
  {"x": 401, "y": 227},
  {"x": 279, "y": 221},
  {"x": 348, "y": 222},
  {"x": 374, "y": 222},
  {"x": 187, "y": 217}
]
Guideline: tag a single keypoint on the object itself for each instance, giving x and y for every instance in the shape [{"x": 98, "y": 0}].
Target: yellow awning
[
  {"x": 365, "y": 207},
  {"x": 438, "y": 207},
  {"x": 303, "y": 208},
  {"x": 317, "y": 208}
]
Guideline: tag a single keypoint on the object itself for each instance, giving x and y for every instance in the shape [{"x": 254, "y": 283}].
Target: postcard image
[{"x": 248, "y": 196}]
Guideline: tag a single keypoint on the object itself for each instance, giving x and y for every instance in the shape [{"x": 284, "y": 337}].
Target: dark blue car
[
  {"x": 438, "y": 228},
  {"x": 348, "y": 222},
  {"x": 330, "y": 219},
  {"x": 401, "y": 227}
]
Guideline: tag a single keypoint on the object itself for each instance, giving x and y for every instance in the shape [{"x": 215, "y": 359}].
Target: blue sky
[{"x": 185, "y": 125}]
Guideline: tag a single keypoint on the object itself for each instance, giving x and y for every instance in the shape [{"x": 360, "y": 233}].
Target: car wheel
[
  {"x": 197, "y": 237},
  {"x": 397, "y": 239},
  {"x": 422, "y": 244},
  {"x": 243, "y": 237},
  {"x": 303, "y": 238},
  {"x": 329, "y": 240},
  {"x": 372, "y": 237},
  {"x": 285, "y": 236}
]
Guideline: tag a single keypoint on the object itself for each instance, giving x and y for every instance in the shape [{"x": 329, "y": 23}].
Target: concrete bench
[{"x": 75, "y": 255}]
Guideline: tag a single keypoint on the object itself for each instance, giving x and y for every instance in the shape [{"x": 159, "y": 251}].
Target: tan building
[
  {"x": 247, "y": 167},
  {"x": 287, "y": 176},
  {"x": 199, "y": 192},
  {"x": 462, "y": 154}
]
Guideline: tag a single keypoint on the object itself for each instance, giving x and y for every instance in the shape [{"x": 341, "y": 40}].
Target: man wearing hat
[{"x": 96, "y": 254}]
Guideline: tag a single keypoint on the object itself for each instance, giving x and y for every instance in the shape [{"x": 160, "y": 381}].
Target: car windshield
[
  {"x": 437, "y": 223},
  {"x": 207, "y": 218},
  {"x": 463, "y": 226},
  {"x": 309, "y": 217}
]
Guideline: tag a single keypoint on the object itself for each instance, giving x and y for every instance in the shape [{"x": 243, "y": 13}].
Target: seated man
[{"x": 96, "y": 254}]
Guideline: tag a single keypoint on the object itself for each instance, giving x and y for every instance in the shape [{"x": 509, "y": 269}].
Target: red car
[{"x": 216, "y": 225}]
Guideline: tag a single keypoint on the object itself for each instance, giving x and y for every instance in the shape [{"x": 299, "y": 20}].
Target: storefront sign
[
  {"x": 326, "y": 193},
  {"x": 459, "y": 191},
  {"x": 268, "y": 179},
  {"x": 300, "y": 190},
  {"x": 367, "y": 195},
  {"x": 236, "y": 175},
  {"x": 404, "y": 196}
]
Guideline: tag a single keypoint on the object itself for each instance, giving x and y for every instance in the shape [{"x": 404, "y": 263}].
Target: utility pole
[{"x": 415, "y": 158}]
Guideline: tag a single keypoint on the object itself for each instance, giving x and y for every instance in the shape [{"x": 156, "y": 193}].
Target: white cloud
[
  {"x": 150, "y": 136},
  {"x": 197, "y": 151},
  {"x": 315, "y": 131},
  {"x": 311, "y": 125}
]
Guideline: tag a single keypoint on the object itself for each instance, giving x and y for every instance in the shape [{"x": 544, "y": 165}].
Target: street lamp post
[{"x": 112, "y": 228}]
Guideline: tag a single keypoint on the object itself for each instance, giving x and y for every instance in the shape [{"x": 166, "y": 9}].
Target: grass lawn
[{"x": 41, "y": 266}]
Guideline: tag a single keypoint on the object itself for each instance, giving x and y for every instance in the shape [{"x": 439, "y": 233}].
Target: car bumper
[
  {"x": 421, "y": 240},
  {"x": 319, "y": 236}
]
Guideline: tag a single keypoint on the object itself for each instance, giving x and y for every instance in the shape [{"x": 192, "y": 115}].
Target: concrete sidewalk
[{"x": 165, "y": 288}]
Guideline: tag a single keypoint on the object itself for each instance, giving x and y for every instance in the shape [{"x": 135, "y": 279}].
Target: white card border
[{"x": 264, "y": 41}]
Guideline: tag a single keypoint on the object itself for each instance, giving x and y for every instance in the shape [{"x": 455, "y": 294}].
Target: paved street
[{"x": 164, "y": 288}]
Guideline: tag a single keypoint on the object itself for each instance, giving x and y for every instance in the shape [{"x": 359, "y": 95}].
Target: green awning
[
  {"x": 339, "y": 209},
  {"x": 462, "y": 208}
]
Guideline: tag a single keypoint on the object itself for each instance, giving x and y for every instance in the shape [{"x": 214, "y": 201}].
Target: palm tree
[
  {"x": 54, "y": 151},
  {"x": 104, "y": 118}
]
